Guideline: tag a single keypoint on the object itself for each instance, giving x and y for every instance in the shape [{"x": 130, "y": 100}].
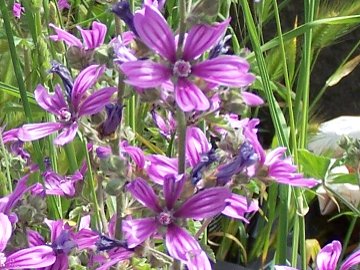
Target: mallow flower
[
  {"x": 153, "y": 30},
  {"x": 328, "y": 258},
  {"x": 166, "y": 218},
  {"x": 91, "y": 38},
  {"x": 68, "y": 112},
  {"x": 17, "y": 10},
  {"x": 33, "y": 257}
]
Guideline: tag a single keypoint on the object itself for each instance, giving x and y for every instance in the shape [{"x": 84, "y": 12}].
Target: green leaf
[
  {"x": 313, "y": 165},
  {"x": 345, "y": 179},
  {"x": 343, "y": 71}
]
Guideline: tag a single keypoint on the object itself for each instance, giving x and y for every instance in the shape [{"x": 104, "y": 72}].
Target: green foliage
[{"x": 313, "y": 165}]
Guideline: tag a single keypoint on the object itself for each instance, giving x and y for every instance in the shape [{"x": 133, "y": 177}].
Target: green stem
[
  {"x": 282, "y": 138},
  {"x": 71, "y": 156},
  {"x": 7, "y": 164},
  {"x": 92, "y": 186},
  {"x": 348, "y": 236},
  {"x": 181, "y": 130},
  {"x": 19, "y": 77}
]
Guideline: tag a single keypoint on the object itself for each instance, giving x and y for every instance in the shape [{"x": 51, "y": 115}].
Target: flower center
[
  {"x": 165, "y": 218},
  {"x": 64, "y": 115},
  {"x": 182, "y": 68}
]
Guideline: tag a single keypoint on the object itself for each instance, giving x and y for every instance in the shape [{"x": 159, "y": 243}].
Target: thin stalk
[
  {"x": 347, "y": 237},
  {"x": 299, "y": 226},
  {"x": 180, "y": 115},
  {"x": 305, "y": 72},
  {"x": 71, "y": 156},
  {"x": 287, "y": 82},
  {"x": 181, "y": 130},
  {"x": 7, "y": 164},
  {"x": 120, "y": 92},
  {"x": 19, "y": 77},
  {"x": 92, "y": 186},
  {"x": 295, "y": 242},
  {"x": 281, "y": 247}
]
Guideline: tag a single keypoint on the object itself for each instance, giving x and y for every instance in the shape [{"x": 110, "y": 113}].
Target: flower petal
[
  {"x": 85, "y": 80},
  {"x": 34, "y": 257},
  {"x": 96, "y": 101},
  {"x": 198, "y": 260},
  {"x": 6, "y": 231},
  {"x": 62, "y": 35},
  {"x": 189, "y": 97},
  {"x": 172, "y": 189},
  {"x": 34, "y": 238},
  {"x": 56, "y": 227},
  {"x": 161, "y": 167},
  {"x": 136, "y": 154},
  {"x": 9, "y": 135},
  {"x": 238, "y": 206},
  {"x": 144, "y": 194},
  {"x": 32, "y": 132},
  {"x": 328, "y": 256},
  {"x": 154, "y": 31},
  {"x": 137, "y": 231},
  {"x": 95, "y": 37},
  {"x": 67, "y": 135},
  {"x": 119, "y": 255},
  {"x": 202, "y": 37},
  {"x": 196, "y": 145},
  {"x": 229, "y": 70},
  {"x": 251, "y": 99},
  {"x": 52, "y": 103},
  {"x": 179, "y": 243},
  {"x": 353, "y": 259},
  {"x": 145, "y": 73},
  {"x": 204, "y": 204}
]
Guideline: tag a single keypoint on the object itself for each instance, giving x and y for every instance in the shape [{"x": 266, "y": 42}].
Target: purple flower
[
  {"x": 10, "y": 200},
  {"x": 159, "y": 4},
  {"x": 62, "y": 4},
  {"x": 161, "y": 167},
  {"x": 113, "y": 120},
  {"x": 238, "y": 206},
  {"x": 103, "y": 152},
  {"x": 64, "y": 74},
  {"x": 33, "y": 257},
  {"x": 17, "y": 10},
  {"x": 282, "y": 170},
  {"x": 328, "y": 258},
  {"x": 167, "y": 126},
  {"x": 112, "y": 257},
  {"x": 245, "y": 158},
  {"x": 180, "y": 244},
  {"x": 92, "y": 38},
  {"x": 68, "y": 113},
  {"x": 56, "y": 184},
  {"x": 122, "y": 10},
  {"x": 62, "y": 241},
  {"x": 196, "y": 145},
  {"x": 136, "y": 154},
  {"x": 154, "y": 31},
  {"x": 251, "y": 99}
]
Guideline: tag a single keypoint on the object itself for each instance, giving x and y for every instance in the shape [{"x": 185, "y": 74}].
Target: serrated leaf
[
  {"x": 313, "y": 165},
  {"x": 209, "y": 252},
  {"x": 193, "y": 226}
]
